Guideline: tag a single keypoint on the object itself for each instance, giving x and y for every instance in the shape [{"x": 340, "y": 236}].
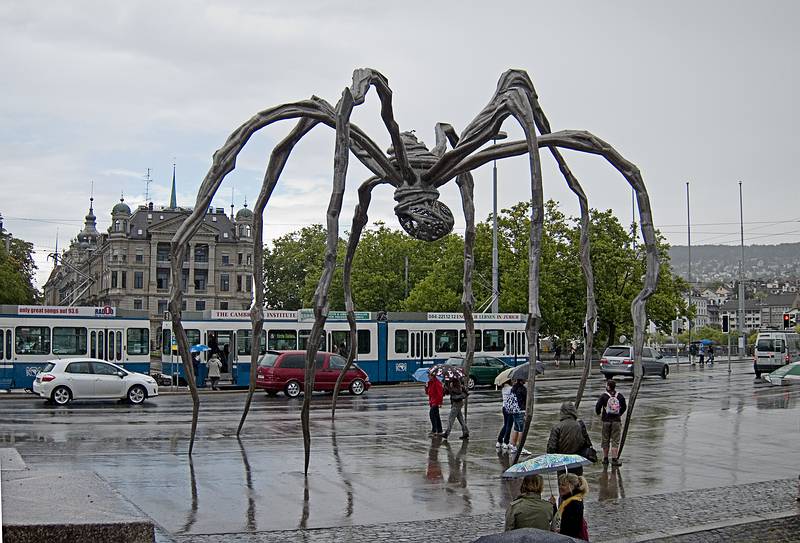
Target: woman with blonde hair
[
  {"x": 529, "y": 510},
  {"x": 569, "y": 519}
]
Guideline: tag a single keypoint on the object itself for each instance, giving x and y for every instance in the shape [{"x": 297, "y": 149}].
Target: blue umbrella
[
  {"x": 199, "y": 348},
  {"x": 423, "y": 375},
  {"x": 545, "y": 463},
  {"x": 706, "y": 341}
]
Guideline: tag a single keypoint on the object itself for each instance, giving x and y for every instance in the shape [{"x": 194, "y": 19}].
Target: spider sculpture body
[{"x": 416, "y": 173}]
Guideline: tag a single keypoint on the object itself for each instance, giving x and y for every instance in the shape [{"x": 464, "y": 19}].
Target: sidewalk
[{"x": 734, "y": 513}]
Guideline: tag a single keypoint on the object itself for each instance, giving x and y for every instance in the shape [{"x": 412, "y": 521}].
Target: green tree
[
  {"x": 290, "y": 261},
  {"x": 17, "y": 270}
]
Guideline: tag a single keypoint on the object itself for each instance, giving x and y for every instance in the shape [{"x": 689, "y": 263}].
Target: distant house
[{"x": 766, "y": 313}]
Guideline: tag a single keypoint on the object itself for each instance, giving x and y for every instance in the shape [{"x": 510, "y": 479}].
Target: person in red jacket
[{"x": 435, "y": 392}]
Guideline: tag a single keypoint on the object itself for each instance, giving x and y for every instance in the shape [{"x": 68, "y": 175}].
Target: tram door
[
  {"x": 516, "y": 345},
  {"x": 421, "y": 344},
  {"x": 223, "y": 343},
  {"x": 106, "y": 344}
]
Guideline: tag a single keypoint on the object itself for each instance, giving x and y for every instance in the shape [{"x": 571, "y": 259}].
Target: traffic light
[
  {"x": 725, "y": 324},
  {"x": 787, "y": 320}
]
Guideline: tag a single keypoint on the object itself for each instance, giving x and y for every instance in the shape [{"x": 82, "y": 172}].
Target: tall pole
[
  {"x": 691, "y": 286},
  {"x": 495, "y": 275},
  {"x": 743, "y": 334}
]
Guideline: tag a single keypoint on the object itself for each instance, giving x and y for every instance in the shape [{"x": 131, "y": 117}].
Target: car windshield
[
  {"x": 268, "y": 360},
  {"x": 617, "y": 351},
  {"x": 773, "y": 345},
  {"x": 455, "y": 361}
]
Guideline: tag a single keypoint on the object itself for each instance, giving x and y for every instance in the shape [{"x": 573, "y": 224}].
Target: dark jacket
[
  {"x": 569, "y": 435},
  {"x": 529, "y": 511},
  {"x": 601, "y": 406},
  {"x": 521, "y": 394},
  {"x": 457, "y": 392},
  {"x": 572, "y": 519}
]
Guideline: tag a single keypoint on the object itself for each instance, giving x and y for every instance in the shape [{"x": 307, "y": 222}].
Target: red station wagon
[{"x": 285, "y": 371}]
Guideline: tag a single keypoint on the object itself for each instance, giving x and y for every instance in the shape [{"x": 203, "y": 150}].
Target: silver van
[{"x": 774, "y": 349}]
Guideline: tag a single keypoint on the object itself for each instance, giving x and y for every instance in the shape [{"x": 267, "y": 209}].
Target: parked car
[
  {"x": 483, "y": 370},
  {"x": 617, "y": 360},
  {"x": 774, "y": 349},
  {"x": 285, "y": 371},
  {"x": 62, "y": 381}
]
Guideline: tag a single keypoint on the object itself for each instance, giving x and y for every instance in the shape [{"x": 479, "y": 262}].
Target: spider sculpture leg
[
  {"x": 277, "y": 162},
  {"x": 360, "y": 218}
]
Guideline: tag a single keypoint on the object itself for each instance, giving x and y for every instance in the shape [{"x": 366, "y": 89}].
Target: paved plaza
[{"x": 708, "y": 451}]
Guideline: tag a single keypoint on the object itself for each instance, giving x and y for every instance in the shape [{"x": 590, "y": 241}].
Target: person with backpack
[{"x": 611, "y": 406}]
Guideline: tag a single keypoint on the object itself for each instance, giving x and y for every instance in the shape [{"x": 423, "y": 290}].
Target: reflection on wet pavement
[{"x": 698, "y": 429}]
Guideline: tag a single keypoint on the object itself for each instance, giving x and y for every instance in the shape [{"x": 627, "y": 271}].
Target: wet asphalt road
[{"x": 701, "y": 428}]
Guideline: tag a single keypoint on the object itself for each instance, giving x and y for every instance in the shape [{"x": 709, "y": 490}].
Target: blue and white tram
[
  {"x": 32, "y": 335},
  {"x": 389, "y": 349}
]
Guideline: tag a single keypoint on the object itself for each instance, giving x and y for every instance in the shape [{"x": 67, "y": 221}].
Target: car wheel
[
  {"x": 61, "y": 396},
  {"x": 357, "y": 387},
  {"x": 471, "y": 382},
  {"x": 272, "y": 393},
  {"x": 137, "y": 394},
  {"x": 665, "y": 372},
  {"x": 292, "y": 389}
]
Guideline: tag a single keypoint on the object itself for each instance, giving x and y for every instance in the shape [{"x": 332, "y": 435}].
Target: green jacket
[{"x": 529, "y": 511}]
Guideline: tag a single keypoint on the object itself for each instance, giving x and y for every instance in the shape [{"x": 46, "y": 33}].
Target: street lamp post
[{"x": 495, "y": 280}]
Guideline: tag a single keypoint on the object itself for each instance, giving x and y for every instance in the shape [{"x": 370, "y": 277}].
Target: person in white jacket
[{"x": 214, "y": 367}]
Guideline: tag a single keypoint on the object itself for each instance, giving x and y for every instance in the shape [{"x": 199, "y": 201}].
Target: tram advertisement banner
[
  {"x": 55, "y": 310},
  {"x": 477, "y": 316}
]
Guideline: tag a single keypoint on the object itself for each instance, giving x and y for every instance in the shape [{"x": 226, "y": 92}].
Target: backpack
[{"x": 612, "y": 405}]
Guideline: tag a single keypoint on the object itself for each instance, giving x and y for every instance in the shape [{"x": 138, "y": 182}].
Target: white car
[{"x": 62, "y": 381}]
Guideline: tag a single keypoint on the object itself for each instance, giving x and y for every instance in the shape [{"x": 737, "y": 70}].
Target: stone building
[{"x": 128, "y": 267}]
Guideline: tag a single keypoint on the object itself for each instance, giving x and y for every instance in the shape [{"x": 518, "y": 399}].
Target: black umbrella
[
  {"x": 521, "y": 371},
  {"x": 526, "y": 535}
]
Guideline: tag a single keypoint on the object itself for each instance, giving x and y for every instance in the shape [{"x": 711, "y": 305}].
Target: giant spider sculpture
[{"x": 416, "y": 173}]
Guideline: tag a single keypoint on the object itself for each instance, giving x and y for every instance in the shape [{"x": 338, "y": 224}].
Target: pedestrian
[
  {"x": 611, "y": 406},
  {"x": 226, "y": 358},
  {"x": 569, "y": 519},
  {"x": 558, "y": 354},
  {"x": 572, "y": 351},
  {"x": 508, "y": 420},
  {"x": 214, "y": 367},
  {"x": 569, "y": 435},
  {"x": 435, "y": 392},
  {"x": 702, "y": 354},
  {"x": 710, "y": 355},
  {"x": 516, "y": 406},
  {"x": 458, "y": 393},
  {"x": 529, "y": 510},
  {"x": 196, "y": 366}
]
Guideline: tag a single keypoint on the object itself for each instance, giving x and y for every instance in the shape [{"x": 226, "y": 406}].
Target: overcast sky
[{"x": 695, "y": 91}]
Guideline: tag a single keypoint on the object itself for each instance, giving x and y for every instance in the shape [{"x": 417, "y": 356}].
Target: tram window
[
  {"x": 463, "y": 341},
  {"x": 69, "y": 340},
  {"x": 93, "y": 345},
  {"x": 446, "y": 341},
  {"x": 101, "y": 349},
  {"x": 8, "y": 345},
  {"x": 33, "y": 340},
  {"x": 2, "y": 344},
  {"x": 193, "y": 337},
  {"x": 244, "y": 344},
  {"x": 110, "y": 346},
  {"x": 282, "y": 340},
  {"x": 119, "y": 345},
  {"x": 138, "y": 341},
  {"x": 302, "y": 340},
  {"x": 494, "y": 340},
  {"x": 339, "y": 341},
  {"x": 166, "y": 341},
  {"x": 401, "y": 341},
  {"x": 364, "y": 341}
]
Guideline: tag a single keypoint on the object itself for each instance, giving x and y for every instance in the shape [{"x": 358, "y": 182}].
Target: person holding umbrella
[
  {"x": 516, "y": 406},
  {"x": 508, "y": 419},
  {"x": 435, "y": 392},
  {"x": 458, "y": 393},
  {"x": 529, "y": 510},
  {"x": 568, "y": 519}
]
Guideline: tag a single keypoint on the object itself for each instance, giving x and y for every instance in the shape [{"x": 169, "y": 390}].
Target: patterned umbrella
[
  {"x": 544, "y": 464},
  {"x": 422, "y": 375},
  {"x": 447, "y": 372},
  {"x": 785, "y": 375}
]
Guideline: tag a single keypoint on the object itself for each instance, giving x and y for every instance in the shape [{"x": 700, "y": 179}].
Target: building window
[
  {"x": 113, "y": 279},
  {"x": 162, "y": 278},
  {"x": 224, "y": 282},
  {"x": 239, "y": 259},
  {"x": 238, "y": 283},
  {"x": 138, "y": 279},
  {"x": 117, "y": 226},
  {"x": 137, "y": 304},
  {"x": 124, "y": 279},
  {"x": 226, "y": 259},
  {"x": 200, "y": 279},
  {"x": 249, "y": 259},
  {"x": 139, "y": 255},
  {"x": 162, "y": 252},
  {"x": 200, "y": 305},
  {"x": 162, "y": 306},
  {"x": 201, "y": 253},
  {"x": 248, "y": 280}
]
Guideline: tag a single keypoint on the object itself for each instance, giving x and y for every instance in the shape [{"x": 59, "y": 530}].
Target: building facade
[{"x": 128, "y": 267}]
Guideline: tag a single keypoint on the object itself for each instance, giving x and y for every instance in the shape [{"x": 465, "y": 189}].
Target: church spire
[{"x": 173, "y": 203}]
